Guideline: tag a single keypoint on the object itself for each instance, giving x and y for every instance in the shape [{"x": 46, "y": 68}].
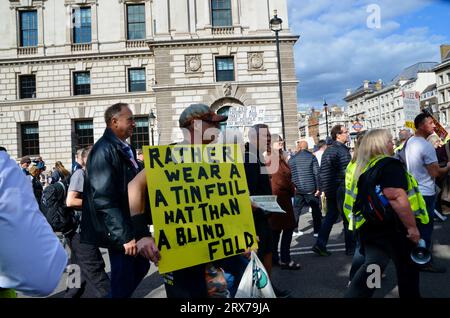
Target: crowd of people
[{"x": 106, "y": 194}]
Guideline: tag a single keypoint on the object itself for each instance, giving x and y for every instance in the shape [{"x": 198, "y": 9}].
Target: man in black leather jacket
[
  {"x": 332, "y": 176},
  {"x": 106, "y": 219}
]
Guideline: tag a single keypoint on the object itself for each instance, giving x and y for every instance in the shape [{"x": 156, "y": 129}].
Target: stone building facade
[
  {"x": 442, "y": 71},
  {"x": 379, "y": 105},
  {"x": 63, "y": 62}
]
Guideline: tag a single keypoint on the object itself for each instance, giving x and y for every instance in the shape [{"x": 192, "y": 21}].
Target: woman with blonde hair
[
  {"x": 397, "y": 234},
  {"x": 60, "y": 173}
]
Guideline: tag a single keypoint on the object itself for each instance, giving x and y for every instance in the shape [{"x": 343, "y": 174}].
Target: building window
[
  {"x": 84, "y": 133},
  {"x": 221, "y": 13},
  {"x": 140, "y": 135},
  {"x": 441, "y": 79},
  {"x": 443, "y": 97},
  {"x": 224, "y": 69},
  {"x": 448, "y": 77},
  {"x": 81, "y": 83},
  {"x": 136, "y": 80},
  {"x": 30, "y": 139},
  {"x": 27, "y": 86},
  {"x": 28, "y": 28},
  {"x": 81, "y": 25},
  {"x": 136, "y": 22}
]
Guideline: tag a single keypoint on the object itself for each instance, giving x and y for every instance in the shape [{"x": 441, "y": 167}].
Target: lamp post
[
  {"x": 152, "y": 121},
  {"x": 275, "y": 26},
  {"x": 325, "y": 107}
]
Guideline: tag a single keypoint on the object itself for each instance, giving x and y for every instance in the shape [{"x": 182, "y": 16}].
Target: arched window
[{"x": 224, "y": 110}]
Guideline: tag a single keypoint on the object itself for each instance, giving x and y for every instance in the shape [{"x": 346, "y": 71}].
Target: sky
[{"x": 344, "y": 42}]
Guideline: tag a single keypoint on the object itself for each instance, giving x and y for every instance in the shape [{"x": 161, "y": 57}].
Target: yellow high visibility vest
[
  {"x": 7, "y": 293},
  {"x": 399, "y": 147},
  {"x": 356, "y": 219}
]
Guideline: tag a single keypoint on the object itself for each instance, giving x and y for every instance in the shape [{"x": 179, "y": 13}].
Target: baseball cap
[
  {"x": 199, "y": 112},
  {"x": 25, "y": 159}
]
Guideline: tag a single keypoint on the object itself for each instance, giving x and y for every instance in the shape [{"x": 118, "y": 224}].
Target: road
[{"x": 323, "y": 277}]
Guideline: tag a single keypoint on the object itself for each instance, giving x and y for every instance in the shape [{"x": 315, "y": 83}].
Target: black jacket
[
  {"x": 332, "y": 169},
  {"x": 106, "y": 220},
  {"x": 305, "y": 172},
  {"x": 258, "y": 182}
]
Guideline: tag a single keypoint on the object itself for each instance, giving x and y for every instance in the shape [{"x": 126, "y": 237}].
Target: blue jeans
[
  {"x": 127, "y": 273},
  {"x": 301, "y": 200},
  {"x": 334, "y": 206},
  {"x": 427, "y": 229},
  {"x": 327, "y": 223},
  {"x": 358, "y": 259}
]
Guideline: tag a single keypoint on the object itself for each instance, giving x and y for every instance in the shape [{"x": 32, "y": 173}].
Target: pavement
[{"x": 322, "y": 277}]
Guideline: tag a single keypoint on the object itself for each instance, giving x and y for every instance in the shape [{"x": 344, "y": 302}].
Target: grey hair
[{"x": 112, "y": 111}]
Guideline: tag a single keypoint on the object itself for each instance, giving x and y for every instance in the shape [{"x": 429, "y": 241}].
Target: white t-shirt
[
  {"x": 32, "y": 259},
  {"x": 318, "y": 155},
  {"x": 419, "y": 154}
]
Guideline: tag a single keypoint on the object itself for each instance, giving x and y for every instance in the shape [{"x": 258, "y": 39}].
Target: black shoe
[
  {"x": 281, "y": 293},
  {"x": 319, "y": 251},
  {"x": 431, "y": 268}
]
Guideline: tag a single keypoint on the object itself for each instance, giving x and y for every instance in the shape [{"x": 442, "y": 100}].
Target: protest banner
[
  {"x": 200, "y": 203},
  {"x": 245, "y": 116},
  {"x": 411, "y": 107}
]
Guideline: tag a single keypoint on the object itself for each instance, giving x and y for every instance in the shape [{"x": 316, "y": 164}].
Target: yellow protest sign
[
  {"x": 200, "y": 203},
  {"x": 410, "y": 124}
]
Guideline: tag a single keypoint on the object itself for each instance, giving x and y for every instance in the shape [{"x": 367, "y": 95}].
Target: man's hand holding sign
[{"x": 200, "y": 203}]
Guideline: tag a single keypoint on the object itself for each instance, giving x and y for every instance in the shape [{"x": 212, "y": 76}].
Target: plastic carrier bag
[{"x": 255, "y": 282}]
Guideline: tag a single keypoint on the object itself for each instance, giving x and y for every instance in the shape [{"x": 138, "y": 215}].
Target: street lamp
[
  {"x": 275, "y": 26},
  {"x": 325, "y": 107},
  {"x": 152, "y": 121}
]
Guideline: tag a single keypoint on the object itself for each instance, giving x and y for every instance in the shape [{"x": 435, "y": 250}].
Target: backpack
[
  {"x": 371, "y": 202},
  {"x": 53, "y": 206}
]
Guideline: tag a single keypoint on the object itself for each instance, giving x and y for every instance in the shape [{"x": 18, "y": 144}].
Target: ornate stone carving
[
  {"x": 226, "y": 89},
  {"x": 193, "y": 63},
  {"x": 255, "y": 61}
]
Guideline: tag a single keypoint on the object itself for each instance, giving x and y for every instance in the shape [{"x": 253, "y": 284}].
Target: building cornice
[
  {"x": 358, "y": 94},
  {"x": 382, "y": 91},
  {"x": 443, "y": 87},
  {"x": 444, "y": 64},
  {"x": 74, "y": 58},
  {"x": 87, "y": 98},
  {"x": 151, "y": 44},
  {"x": 162, "y": 88},
  {"x": 215, "y": 41},
  {"x": 74, "y": 99}
]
